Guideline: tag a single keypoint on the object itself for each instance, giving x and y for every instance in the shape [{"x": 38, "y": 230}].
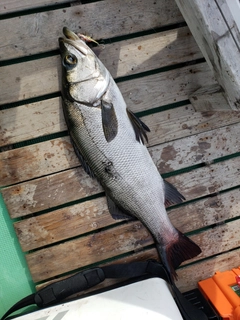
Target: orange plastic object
[{"x": 223, "y": 291}]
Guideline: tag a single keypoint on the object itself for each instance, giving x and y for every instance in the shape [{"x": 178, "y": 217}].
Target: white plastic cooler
[{"x": 147, "y": 299}]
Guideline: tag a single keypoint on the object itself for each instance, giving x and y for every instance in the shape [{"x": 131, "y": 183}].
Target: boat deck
[{"x": 59, "y": 213}]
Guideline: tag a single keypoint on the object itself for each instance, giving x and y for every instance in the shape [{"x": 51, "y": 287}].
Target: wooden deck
[{"x": 63, "y": 222}]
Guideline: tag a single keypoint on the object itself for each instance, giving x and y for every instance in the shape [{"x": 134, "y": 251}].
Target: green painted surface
[{"x": 15, "y": 278}]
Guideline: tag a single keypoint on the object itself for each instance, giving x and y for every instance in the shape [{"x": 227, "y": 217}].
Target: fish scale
[{"x": 109, "y": 141}]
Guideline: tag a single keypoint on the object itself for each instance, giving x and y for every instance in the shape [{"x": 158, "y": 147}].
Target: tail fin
[{"x": 177, "y": 251}]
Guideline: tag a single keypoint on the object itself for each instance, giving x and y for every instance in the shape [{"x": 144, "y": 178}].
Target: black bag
[{"x": 56, "y": 292}]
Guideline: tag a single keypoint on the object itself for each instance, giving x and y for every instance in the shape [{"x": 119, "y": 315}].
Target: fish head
[{"x": 84, "y": 76}]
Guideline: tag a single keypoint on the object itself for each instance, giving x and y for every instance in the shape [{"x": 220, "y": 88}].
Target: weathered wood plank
[
  {"x": 59, "y": 225},
  {"x": 42, "y": 76},
  {"x": 36, "y": 160},
  {"x": 45, "y": 117},
  {"x": 201, "y": 147},
  {"x": 28, "y": 35},
  {"x": 216, "y": 40},
  {"x": 45, "y": 263},
  {"x": 9, "y": 6},
  {"x": 166, "y": 129},
  {"x": 190, "y": 275},
  {"x": 149, "y": 52},
  {"x": 221, "y": 238},
  {"x": 50, "y": 262},
  {"x": 31, "y": 121},
  {"x": 209, "y": 98},
  {"x": 70, "y": 185},
  {"x": 163, "y": 88},
  {"x": 206, "y": 212},
  {"x": 55, "y": 155},
  {"x": 30, "y": 79},
  {"x": 76, "y": 181},
  {"x": 62, "y": 224}
]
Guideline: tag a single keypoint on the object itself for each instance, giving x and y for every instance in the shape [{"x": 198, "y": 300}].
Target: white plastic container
[{"x": 147, "y": 299}]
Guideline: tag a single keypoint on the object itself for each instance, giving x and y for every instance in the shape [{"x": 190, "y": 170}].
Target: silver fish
[{"x": 109, "y": 141}]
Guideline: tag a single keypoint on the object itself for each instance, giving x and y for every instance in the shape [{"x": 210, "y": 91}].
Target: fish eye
[{"x": 70, "y": 60}]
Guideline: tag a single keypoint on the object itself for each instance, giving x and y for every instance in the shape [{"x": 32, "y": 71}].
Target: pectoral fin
[
  {"x": 139, "y": 127},
  {"x": 172, "y": 195},
  {"x": 109, "y": 121},
  {"x": 116, "y": 212}
]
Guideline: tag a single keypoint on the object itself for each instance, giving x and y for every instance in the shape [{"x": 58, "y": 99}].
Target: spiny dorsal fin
[
  {"x": 109, "y": 121},
  {"x": 172, "y": 195},
  {"x": 139, "y": 127}
]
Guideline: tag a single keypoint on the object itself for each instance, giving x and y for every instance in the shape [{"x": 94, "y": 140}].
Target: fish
[{"x": 110, "y": 142}]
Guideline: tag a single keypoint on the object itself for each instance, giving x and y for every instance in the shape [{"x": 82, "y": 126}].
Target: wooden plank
[
  {"x": 43, "y": 76},
  {"x": 36, "y": 160},
  {"x": 225, "y": 237},
  {"x": 166, "y": 128},
  {"x": 190, "y": 275},
  {"x": 217, "y": 41},
  {"x": 31, "y": 121},
  {"x": 30, "y": 79},
  {"x": 69, "y": 222},
  {"x": 45, "y": 263},
  {"x": 200, "y": 147},
  {"x": 45, "y": 117},
  {"x": 10, "y": 6},
  {"x": 76, "y": 181},
  {"x": 206, "y": 212},
  {"x": 209, "y": 98},
  {"x": 28, "y": 35},
  {"x": 51, "y": 191},
  {"x": 50, "y": 262},
  {"x": 56, "y": 155},
  {"x": 146, "y": 53}
]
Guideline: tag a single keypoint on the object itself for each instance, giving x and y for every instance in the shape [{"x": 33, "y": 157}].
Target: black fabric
[{"x": 60, "y": 290}]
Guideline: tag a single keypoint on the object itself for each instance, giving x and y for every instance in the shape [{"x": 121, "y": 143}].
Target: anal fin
[{"x": 116, "y": 212}]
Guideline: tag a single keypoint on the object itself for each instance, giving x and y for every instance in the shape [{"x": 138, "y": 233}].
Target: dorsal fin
[{"x": 139, "y": 127}]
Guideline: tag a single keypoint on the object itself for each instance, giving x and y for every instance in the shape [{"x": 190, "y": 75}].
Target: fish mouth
[{"x": 72, "y": 39}]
